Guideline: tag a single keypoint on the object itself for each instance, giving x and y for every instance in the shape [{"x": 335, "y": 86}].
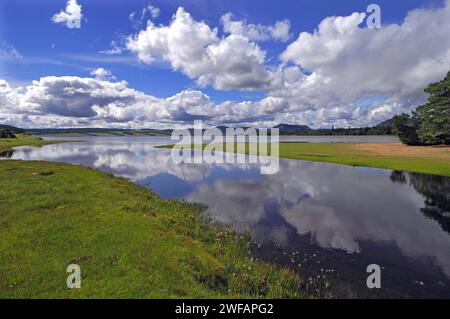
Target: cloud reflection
[{"x": 338, "y": 206}]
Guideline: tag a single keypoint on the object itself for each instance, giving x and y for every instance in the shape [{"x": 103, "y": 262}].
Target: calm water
[
  {"x": 326, "y": 221},
  {"x": 283, "y": 138}
]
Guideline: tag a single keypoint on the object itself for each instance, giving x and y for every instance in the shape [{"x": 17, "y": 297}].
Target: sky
[{"x": 163, "y": 64}]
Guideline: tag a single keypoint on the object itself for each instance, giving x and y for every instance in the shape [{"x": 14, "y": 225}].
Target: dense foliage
[
  {"x": 376, "y": 130},
  {"x": 7, "y": 134},
  {"x": 429, "y": 124}
]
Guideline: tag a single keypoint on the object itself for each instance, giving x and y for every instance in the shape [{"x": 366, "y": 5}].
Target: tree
[
  {"x": 406, "y": 127},
  {"x": 435, "y": 114},
  {"x": 429, "y": 123}
]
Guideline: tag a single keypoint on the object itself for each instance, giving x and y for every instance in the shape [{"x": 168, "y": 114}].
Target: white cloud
[
  {"x": 99, "y": 101},
  {"x": 95, "y": 100},
  {"x": 357, "y": 76},
  {"x": 350, "y": 63},
  {"x": 138, "y": 18},
  {"x": 115, "y": 49},
  {"x": 8, "y": 52},
  {"x": 154, "y": 11},
  {"x": 71, "y": 16},
  {"x": 257, "y": 32},
  {"x": 102, "y": 74},
  {"x": 195, "y": 49}
]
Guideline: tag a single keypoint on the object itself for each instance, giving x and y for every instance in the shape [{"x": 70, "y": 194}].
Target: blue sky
[{"x": 45, "y": 48}]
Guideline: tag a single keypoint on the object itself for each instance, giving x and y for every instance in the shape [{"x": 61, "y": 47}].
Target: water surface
[{"x": 326, "y": 221}]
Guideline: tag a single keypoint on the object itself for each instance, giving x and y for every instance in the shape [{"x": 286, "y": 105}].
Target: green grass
[
  {"x": 25, "y": 139},
  {"x": 349, "y": 154},
  {"x": 128, "y": 242},
  {"x": 394, "y": 156}
]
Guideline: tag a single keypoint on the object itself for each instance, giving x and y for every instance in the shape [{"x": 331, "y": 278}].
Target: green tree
[
  {"x": 429, "y": 123},
  {"x": 406, "y": 127},
  {"x": 435, "y": 114}
]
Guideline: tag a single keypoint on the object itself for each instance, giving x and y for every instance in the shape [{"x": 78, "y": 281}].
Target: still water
[{"x": 326, "y": 221}]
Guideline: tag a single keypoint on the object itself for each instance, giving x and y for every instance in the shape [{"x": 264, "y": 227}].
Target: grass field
[
  {"x": 128, "y": 242},
  {"x": 395, "y": 156}
]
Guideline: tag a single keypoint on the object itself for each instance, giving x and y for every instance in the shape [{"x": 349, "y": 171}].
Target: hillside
[
  {"x": 99, "y": 132},
  {"x": 384, "y": 128},
  {"x": 293, "y": 129},
  {"x": 8, "y": 131}
]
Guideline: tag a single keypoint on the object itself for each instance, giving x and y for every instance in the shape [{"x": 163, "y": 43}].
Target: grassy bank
[
  {"x": 395, "y": 156},
  {"x": 127, "y": 241},
  {"x": 24, "y": 139}
]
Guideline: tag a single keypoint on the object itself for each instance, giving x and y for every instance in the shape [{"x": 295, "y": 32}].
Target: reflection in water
[
  {"x": 6, "y": 154},
  {"x": 352, "y": 216},
  {"x": 436, "y": 192}
]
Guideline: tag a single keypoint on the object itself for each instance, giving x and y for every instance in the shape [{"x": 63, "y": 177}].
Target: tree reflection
[
  {"x": 436, "y": 192},
  {"x": 7, "y": 154}
]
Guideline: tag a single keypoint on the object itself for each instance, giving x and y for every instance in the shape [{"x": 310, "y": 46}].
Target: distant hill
[
  {"x": 13, "y": 129},
  {"x": 100, "y": 132},
  {"x": 384, "y": 128},
  {"x": 286, "y": 129},
  {"x": 385, "y": 123},
  {"x": 8, "y": 131}
]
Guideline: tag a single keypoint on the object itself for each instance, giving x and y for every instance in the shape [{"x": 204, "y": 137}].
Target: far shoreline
[{"x": 434, "y": 160}]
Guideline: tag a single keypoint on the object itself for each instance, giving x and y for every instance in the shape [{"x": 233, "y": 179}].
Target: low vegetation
[{"x": 128, "y": 242}]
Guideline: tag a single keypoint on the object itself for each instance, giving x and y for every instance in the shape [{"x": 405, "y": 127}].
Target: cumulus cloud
[
  {"x": 84, "y": 101},
  {"x": 342, "y": 74},
  {"x": 102, "y": 74},
  {"x": 350, "y": 62},
  {"x": 257, "y": 32},
  {"x": 195, "y": 49},
  {"x": 71, "y": 16},
  {"x": 100, "y": 101}
]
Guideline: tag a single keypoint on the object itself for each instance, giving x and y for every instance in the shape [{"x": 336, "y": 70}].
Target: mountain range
[{"x": 284, "y": 129}]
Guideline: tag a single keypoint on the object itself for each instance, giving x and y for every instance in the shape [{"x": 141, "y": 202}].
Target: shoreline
[
  {"x": 434, "y": 160},
  {"x": 128, "y": 241}
]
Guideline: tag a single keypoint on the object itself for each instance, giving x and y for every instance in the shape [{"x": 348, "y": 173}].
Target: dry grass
[{"x": 399, "y": 149}]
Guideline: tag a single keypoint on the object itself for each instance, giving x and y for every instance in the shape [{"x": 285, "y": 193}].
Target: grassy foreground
[
  {"x": 128, "y": 241},
  {"x": 394, "y": 156}
]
